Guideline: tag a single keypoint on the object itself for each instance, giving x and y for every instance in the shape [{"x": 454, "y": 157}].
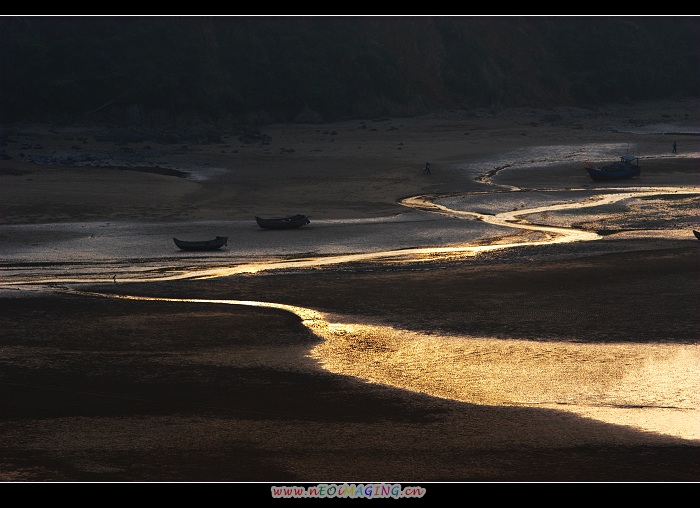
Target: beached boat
[
  {"x": 626, "y": 167},
  {"x": 696, "y": 233},
  {"x": 213, "y": 244},
  {"x": 289, "y": 222}
]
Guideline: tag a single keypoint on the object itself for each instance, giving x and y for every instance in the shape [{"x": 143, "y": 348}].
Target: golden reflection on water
[
  {"x": 513, "y": 219},
  {"x": 649, "y": 387}
]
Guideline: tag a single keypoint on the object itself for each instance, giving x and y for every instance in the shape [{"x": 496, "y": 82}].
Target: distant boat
[
  {"x": 214, "y": 244},
  {"x": 626, "y": 167},
  {"x": 289, "y": 222},
  {"x": 697, "y": 234}
]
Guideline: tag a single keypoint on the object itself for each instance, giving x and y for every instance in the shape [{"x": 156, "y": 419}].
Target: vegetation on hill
[{"x": 318, "y": 68}]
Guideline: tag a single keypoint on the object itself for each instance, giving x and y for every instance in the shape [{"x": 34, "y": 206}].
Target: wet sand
[{"x": 111, "y": 389}]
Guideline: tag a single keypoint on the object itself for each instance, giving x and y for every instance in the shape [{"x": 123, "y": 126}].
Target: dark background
[{"x": 257, "y": 70}]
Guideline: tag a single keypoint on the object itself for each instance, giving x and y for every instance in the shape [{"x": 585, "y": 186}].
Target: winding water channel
[{"x": 651, "y": 387}]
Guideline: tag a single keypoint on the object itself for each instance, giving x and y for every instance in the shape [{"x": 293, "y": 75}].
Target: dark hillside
[{"x": 313, "y": 69}]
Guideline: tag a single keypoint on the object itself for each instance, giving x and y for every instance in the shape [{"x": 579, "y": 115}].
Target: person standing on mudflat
[
  {"x": 426, "y": 168},
  {"x": 674, "y": 147}
]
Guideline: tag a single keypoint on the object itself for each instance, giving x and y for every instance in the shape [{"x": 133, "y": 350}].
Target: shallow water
[{"x": 650, "y": 387}]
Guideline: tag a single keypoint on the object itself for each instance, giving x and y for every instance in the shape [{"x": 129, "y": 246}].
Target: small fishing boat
[
  {"x": 626, "y": 167},
  {"x": 289, "y": 222},
  {"x": 213, "y": 244}
]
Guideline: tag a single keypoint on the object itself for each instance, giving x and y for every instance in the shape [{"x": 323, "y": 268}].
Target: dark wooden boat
[
  {"x": 696, "y": 233},
  {"x": 289, "y": 222},
  {"x": 214, "y": 244},
  {"x": 626, "y": 167}
]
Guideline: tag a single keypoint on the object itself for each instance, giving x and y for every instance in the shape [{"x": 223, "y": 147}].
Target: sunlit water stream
[{"x": 650, "y": 387}]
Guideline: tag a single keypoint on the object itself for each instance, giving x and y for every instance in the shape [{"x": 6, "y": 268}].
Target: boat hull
[
  {"x": 616, "y": 171},
  {"x": 601, "y": 174},
  {"x": 290, "y": 222},
  {"x": 213, "y": 244}
]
